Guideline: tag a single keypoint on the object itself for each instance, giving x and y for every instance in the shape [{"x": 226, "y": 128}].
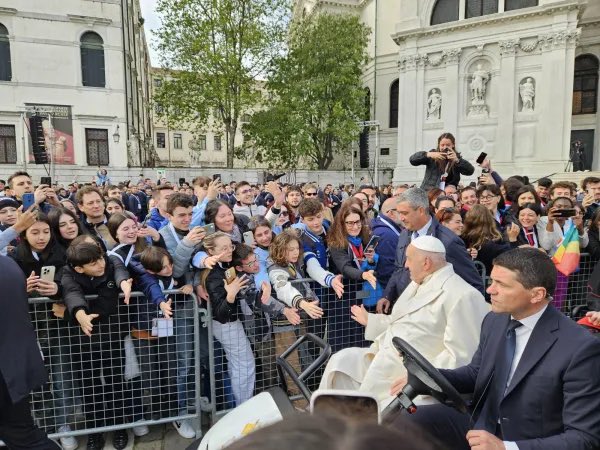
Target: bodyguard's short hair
[
  {"x": 415, "y": 197},
  {"x": 532, "y": 267}
]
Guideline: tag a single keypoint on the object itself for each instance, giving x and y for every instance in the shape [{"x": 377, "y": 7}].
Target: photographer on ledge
[{"x": 444, "y": 164}]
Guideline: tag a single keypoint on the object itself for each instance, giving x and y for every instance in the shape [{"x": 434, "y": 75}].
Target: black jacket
[
  {"x": 433, "y": 172},
  {"x": 107, "y": 288},
  {"x": 54, "y": 255},
  {"x": 222, "y": 310},
  {"x": 21, "y": 364}
]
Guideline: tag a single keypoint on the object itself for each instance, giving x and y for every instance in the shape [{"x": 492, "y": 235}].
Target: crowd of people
[{"x": 273, "y": 261}]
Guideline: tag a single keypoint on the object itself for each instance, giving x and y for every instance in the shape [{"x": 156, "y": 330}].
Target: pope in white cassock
[{"x": 438, "y": 313}]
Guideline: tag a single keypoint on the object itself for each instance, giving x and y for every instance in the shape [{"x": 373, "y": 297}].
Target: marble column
[{"x": 506, "y": 107}]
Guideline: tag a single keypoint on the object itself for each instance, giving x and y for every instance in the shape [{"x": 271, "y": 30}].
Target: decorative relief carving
[{"x": 508, "y": 47}]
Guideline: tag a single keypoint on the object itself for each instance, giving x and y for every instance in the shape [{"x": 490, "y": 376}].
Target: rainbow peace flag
[{"x": 566, "y": 258}]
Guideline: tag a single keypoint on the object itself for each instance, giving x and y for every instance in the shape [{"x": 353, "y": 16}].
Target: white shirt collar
[
  {"x": 530, "y": 321},
  {"x": 423, "y": 231}
]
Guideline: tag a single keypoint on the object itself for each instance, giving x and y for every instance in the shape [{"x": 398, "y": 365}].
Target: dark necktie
[{"x": 504, "y": 359}]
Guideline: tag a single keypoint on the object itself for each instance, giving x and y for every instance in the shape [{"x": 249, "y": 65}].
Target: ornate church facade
[{"x": 517, "y": 79}]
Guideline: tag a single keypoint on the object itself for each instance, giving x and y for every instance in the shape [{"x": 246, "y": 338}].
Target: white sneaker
[
  {"x": 68, "y": 442},
  {"x": 185, "y": 429},
  {"x": 141, "y": 430}
]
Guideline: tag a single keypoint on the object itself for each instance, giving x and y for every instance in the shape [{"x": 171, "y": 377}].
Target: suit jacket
[
  {"x": 441, "y": 318},
  {"x": 21, "y": 363},
  {"x": 456, "y": 254},
  {"x": 553, "y": 400}
]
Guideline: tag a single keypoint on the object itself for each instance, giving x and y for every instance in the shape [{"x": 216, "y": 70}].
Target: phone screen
[
  {"x": 359, "y": 407},
  {"x": 481, "y": 157},
  {"x": 216, "y": 176}
]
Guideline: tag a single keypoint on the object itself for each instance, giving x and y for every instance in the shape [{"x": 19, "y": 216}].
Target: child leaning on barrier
[
  {"x": 181, "y": 242},
  {"x": 224, "y": 292},
  {"x": 152, "y": 334},
  {"x": 285, "y": 266},
  {"x": 100, "y": 342},
  {"x": 258, "y": 308}
]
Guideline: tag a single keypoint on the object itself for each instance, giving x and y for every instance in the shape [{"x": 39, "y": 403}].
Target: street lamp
[{"x": 116, "y": 135}]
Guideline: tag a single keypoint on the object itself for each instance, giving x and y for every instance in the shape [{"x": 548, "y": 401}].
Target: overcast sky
[{"x": 151, "y": 23}]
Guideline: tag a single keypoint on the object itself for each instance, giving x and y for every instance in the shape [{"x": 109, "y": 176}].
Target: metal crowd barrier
[
  {"x": 203, "y": 366},
  {"x": 121, "y": 376}
]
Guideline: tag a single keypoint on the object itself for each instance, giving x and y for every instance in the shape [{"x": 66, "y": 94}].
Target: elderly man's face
[{"x": 416, "y": 263}]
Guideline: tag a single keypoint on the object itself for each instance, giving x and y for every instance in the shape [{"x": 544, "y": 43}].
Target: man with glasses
[{"x": 387, "y": 226}]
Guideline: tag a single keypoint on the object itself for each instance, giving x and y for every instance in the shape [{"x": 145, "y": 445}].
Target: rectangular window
[
  {"x": 158, "y": 108},
  {"x": 585, "y": 93},
  {"x": 177, "y": 141},
  {"x": 202, "y": 142},
  {"x": 157, "y": 82},
  {"x": 477, "y": 8},
  {"x": 96, "y": 141},
  {"x": 384, "y": 151},
  {"x": 217, "y": 143},
  {"x": 8, "y": 144},
  {"x": 160, "y": 140}
]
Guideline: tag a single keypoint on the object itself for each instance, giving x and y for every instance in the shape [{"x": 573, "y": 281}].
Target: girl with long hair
[{"x": 481, "y": 234}]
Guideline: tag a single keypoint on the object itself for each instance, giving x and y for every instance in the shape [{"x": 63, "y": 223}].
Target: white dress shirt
[
  {"x": 522, "y": 335},
  {"x": 423, "y": 231}
]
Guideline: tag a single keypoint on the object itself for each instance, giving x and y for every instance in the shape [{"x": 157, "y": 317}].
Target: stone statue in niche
[
  {"x": 527, "y": 92},
  {"x": 478, "y": 86},
  {"x": 434, "y": 105}
]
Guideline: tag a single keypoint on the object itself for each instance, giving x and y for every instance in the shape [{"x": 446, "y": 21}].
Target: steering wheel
[{"x": 423, "y": 379}]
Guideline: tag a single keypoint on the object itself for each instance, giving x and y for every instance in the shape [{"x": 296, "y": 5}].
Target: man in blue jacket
[
  {"x": 413, "y": 211},
  {"x": 388, "y": 227}
]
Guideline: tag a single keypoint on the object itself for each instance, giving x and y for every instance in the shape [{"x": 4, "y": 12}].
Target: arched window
[
  {"x": 510, "y": 5},
  {"x": 394, "y": 92},
  {"x": 477, "y": 8},
  {"x": 585, "y": 85},
  {"x": 92, "y": 60},
  {"x": 444, "y": 11},
  {"x": 5, "y": 68}
]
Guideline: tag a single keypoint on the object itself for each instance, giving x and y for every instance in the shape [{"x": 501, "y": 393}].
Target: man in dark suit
[
  {"x": 21, "y": 365},
  {"x": 534, "y": 375},
  {"x": 413, "y": 212}
]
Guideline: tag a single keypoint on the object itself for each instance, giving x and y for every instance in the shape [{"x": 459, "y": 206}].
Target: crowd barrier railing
[
  {"x": 122, "y": 376},
  {"x": 135, "y": 369}
]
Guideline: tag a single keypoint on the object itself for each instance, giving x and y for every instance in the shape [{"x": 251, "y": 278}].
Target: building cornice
[
  {"x": 89, "y": 20},
  {"x": 508, "y": 47},
  {"x": 483, "y": 21},
  {"x": 8, "y": 11}
]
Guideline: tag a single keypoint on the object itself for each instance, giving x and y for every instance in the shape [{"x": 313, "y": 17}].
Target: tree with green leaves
[
  {"x": 317, "y": 94},
  {"x": 218, "y": 49}
]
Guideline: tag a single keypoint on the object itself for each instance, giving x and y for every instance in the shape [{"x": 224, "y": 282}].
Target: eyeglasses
[
  {"x": 225, "y": 248},
  {"x": 351, "y": 224},
  {"x": 310, "y": 194},
  {"x": 487, "y": 197},
  {"x": 250, "y": 263}
]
